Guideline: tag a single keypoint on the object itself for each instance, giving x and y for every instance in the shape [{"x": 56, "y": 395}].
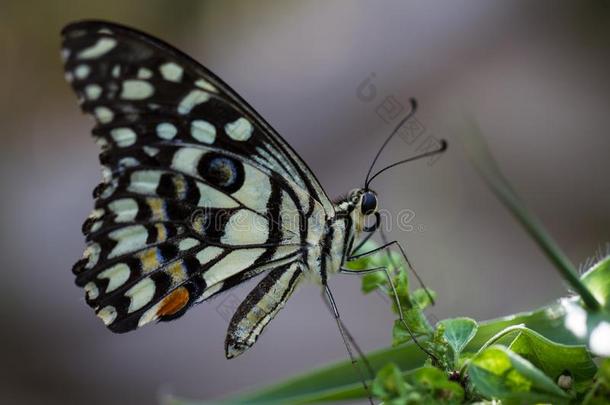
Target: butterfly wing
[{"x": 199, "y": 193}]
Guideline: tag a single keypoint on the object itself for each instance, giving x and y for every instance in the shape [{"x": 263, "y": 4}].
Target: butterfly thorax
[{"x": 337, "y": 238}]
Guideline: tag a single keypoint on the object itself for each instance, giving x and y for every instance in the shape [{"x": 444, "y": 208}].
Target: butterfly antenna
[
  {"x": 389, "y": 138},
  {"x": 442, "y": 148}
]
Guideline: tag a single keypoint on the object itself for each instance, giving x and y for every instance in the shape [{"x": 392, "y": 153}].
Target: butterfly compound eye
[{"x": 368, "y": 204}]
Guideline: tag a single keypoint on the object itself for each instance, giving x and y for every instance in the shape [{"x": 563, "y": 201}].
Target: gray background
[{"x": 534, "y": 75}]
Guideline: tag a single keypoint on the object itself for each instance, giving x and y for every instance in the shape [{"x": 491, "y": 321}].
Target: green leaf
[
  {"x": 597, "y": 279},
  {"x": 421, "y": 297},
  {"x": 555, "y": 359},
  {"x": 389, "y": 383},
  {"x": 427, "y": 385},
  {"x": 435, "y": 385},
  {"x": 439, "y": 347},
  {"x": 401, "y": 283},
  {"x": 458, "y": 332},
  {"x": 498, "y": 373},
  {"x": 600, "y": 391},
  {"x": 339, "y": 382},
  {"x": 372, "y": 281},
  {"x": 400, "y": 334},
  {"x": 416, "y": 322}
]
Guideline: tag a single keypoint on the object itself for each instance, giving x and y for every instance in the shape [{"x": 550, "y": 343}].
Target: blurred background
[{"x": 332, "y": 77}]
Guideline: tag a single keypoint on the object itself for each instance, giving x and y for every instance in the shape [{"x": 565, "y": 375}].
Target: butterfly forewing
[{"x": 198, "y": 192}]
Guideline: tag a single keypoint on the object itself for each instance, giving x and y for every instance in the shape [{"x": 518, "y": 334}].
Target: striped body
[{"x": 198, "y": 192}]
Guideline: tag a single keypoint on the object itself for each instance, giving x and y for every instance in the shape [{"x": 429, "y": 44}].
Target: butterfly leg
[
  {"x": 347, "y": 340},
  {"x": 386, "y": 246},
  {"x": 392, "y": 287}
]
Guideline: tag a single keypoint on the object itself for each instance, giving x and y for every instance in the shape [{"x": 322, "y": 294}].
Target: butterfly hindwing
[{"x": 198, "y": 192}]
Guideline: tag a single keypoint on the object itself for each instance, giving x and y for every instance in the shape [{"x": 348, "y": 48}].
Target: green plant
[{"x": 556, "y": 354}]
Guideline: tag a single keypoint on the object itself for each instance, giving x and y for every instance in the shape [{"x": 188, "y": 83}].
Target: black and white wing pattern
[{"x": 198, "y": 194}]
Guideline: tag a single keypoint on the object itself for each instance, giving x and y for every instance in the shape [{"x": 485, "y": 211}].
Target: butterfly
[{"x": 198, "y": 194}]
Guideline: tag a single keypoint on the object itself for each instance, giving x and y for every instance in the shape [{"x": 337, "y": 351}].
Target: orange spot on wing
[{"x": 174, "y": 302}]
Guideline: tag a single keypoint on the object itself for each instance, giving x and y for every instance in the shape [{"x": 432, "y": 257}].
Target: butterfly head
[
  {"x": 365, "y": 201},
  {"x": 363, "y": 204}
]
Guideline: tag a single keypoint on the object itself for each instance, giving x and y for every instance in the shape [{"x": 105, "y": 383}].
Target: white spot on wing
[
  {"x": 208, "y": 254},
  {"x": 96, "y": 226},
  {"x": 149, "y": 316},
  {"x": 123, "y": 136},
  {"x": 165, "y": 130},
  {"x": 239, "y": 130},
  {"x": 171, "y": 71},
  {"x": 192, "y": 99},
  {"x": 255, "y": 191},
  {"x": 150, "y": 151},
  {"x": 116, "y": 71},
  {"x": 245, "y": 228},
  {"x": 211, "y": 291},
  {"x": 92, "y": 254},
  {"x": 107, "y": 314},
  {"x": 210, "y": 197},
  {"x": 101, "y": 142},
  {"x": 106, "y": 175},
  {"x": 92, "y": 91},
  {"x": 136, "y": 90},
  {"x": 110, "y": 186},
  {"x": 232, "y": 264},
  {"x": 140, "y": 294},
  {"x": 97, "y": 213},
  {"x": 103, "y": 114},
  {"x": 91, "y": 290},
  {"x": 144, "y": 73},
  {"x": 102, "y": 46},
  {"x": 128, "y": 239},
  {"x": 145, "y": 181},
  {"x": 117, "y": 275},
  {"x": 204, "y": 84},
  {"x": 187, "y": 243},
  {"x": 81, "y": 72},
  {"x": 125, "y": 209},
  {"x": 203, "y": 131},
  {"x": 186, "y": 160},
  {"x": 128, "y": 161}
]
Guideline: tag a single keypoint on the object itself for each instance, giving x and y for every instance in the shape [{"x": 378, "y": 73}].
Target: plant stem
[{"x": 488, "y": 169}]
